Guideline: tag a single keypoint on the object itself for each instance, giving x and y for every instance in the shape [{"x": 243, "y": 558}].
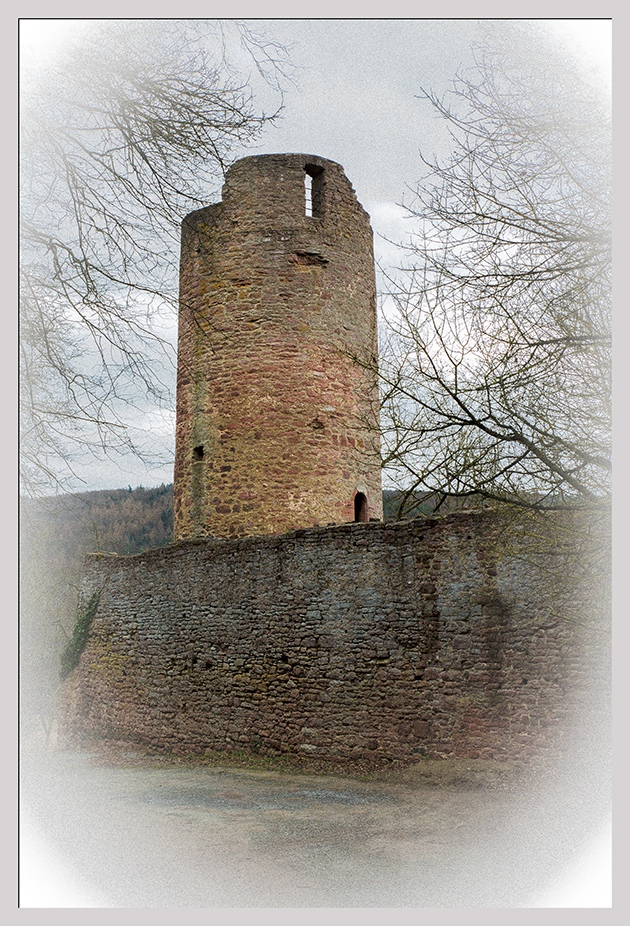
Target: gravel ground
[{"x": 118, "y": 829}]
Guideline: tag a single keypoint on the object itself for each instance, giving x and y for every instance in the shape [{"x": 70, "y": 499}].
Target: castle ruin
[
  {"x": 277, "y": 423},
  {"x": 280, "y": 621}
]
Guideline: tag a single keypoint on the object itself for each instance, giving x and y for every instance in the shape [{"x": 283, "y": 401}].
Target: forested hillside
[{"x": 114, "y": 520}]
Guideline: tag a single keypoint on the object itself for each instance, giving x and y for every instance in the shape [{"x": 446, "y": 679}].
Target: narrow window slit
[
  {"x": 308, "y": 194},
  {"x": 198, "y": 453}
]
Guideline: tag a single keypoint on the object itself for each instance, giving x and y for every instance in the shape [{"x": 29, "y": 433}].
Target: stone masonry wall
[
  {"x": 380, "y": 641},
  {"x": 277, "y": 424}
]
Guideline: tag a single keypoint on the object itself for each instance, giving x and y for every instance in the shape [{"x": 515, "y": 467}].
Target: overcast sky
[{"x": 355, "y": 102}]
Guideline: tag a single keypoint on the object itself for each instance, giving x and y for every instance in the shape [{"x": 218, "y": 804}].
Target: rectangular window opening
[
  {"x": 198, "y": 453},
  {"x": 313, "y": 191}
]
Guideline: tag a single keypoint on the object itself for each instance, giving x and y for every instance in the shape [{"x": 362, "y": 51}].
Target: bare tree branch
[
  {"x": 127, "y": 131},
  {"x": 495, "y": 355}
]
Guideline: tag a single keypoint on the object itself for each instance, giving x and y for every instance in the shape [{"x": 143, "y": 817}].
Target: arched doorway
[{"x": 360, "y": 507}]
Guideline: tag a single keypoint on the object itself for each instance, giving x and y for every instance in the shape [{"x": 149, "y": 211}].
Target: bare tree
[
  {"x": 495, "y": 353},
  {"x": 128, "y": 129}
]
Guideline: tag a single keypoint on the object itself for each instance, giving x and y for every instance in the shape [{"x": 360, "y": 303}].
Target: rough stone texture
[
  {"x": 276, "y": 421},
  {"x": 380, "y": 641}
]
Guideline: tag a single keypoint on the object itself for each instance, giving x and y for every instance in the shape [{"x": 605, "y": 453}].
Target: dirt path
[{"x": 135, "y": 833}]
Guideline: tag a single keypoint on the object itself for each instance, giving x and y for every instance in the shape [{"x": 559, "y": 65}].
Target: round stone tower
[{"x": 277, "y": 400}]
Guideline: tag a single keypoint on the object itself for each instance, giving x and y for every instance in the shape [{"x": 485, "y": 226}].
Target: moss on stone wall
[{"x": 76, "y": 644}]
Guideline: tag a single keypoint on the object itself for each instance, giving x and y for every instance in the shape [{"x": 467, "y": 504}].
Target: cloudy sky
[{"x": 354, "y": 100}]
